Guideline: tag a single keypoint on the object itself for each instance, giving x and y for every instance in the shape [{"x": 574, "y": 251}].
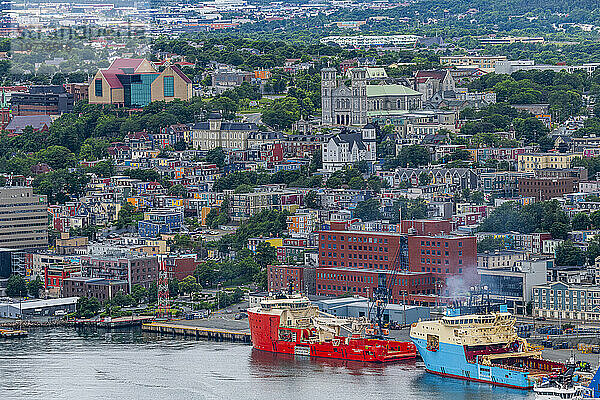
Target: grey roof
[
  {"x": 350, "y": 138},
  {"x": 227, "y": 126},
  {"x": 29, "y": 305},
  {"x": 18, "y": 123}
]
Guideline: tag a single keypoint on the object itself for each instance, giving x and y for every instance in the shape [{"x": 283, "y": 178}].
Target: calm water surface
[{"x": 63, "y": 363}]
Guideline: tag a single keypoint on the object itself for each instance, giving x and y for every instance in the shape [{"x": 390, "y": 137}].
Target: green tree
[
  {"x": 57, "y": 157},
  {"x": 413, "y": 156},
  {"x": 310, "y": 200},
  {"x": 206, "y": 273},
  {"x": 316, "y": 162},
  {"x": 128, "y": 216},
  {"x": 357, "y": 183},
  {"x": 16, "y": 286},
  {"x": 490, "y": 244},
  {"x": 216, "y": 156},
  {"x": 581, "y": 221},
  {"x": 153, "y": 292},
  {"x": 174, "y": 288},
  {"x": 34, "y": 287},
  {"x": 282, "y": 113},
  {"x": 595, "y": 219},
  {"x": 121, "y": 299},
  {"x": 139, "y": 293},
  {"x": 177, "y": 190},
  {"x": 93, "y": 149},
  {"x": 265, "y": 254},
  {"x": 593, "y": 250},
  {"x": 260, "y": 279},
  {"x": 368, "y": 210},
  {"x": 559, "y": 230},
  {"x": 477, "y": 197},
  {"x": 569, "y": 255},
  {"x": 189, "y": 285},
  {"x": 243, "y": 188},
  {"x": 87, "y": 307}
]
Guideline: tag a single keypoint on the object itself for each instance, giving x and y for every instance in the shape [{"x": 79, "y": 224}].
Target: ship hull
[
  {"x": 264, "y": 332},
  {"x": 449, "y": 360}
]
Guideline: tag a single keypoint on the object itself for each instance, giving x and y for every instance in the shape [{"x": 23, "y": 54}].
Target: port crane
[{"x": 383, "y": 292}]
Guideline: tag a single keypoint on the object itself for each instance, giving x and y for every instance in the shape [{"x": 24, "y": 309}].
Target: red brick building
[
  {"x": 443, "y": 255},
  {"x": 546, "y": 188},
  {"x": 426, "y": 226},
  {"x": 359, "y": 249},
  {"x": 180, "y": 267},
  {"x": 291, "y": 247},
  {"x": 301, "y": 277},
  {"x": 409, "y": 287},
  {"x": 101, "y": 289},
  {"x": 55, "y": 274}
]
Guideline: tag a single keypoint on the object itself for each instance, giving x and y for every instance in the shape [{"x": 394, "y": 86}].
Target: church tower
[
  {"x": 359, "y": 96},
  {"x": 328, "y": 84},
  {"x": 369, "y": 137}
]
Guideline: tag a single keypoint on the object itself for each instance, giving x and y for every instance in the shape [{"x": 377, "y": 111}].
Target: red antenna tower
[{"x": 164, "y": 307}]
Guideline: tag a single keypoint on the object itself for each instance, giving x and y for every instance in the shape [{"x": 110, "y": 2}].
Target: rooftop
[{"x": 390, "y": 90}]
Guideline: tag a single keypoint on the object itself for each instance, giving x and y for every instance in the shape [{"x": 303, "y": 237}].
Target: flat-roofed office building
[{"x": 23, "y": 218}]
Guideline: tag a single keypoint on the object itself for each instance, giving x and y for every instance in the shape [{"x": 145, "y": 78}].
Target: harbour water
[{"x": 62, "y": 363}]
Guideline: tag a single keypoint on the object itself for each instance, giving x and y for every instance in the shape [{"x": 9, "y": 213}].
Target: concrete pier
[
  {"x": 110, "y": 323},
  {"x": 199, "y": 332}
]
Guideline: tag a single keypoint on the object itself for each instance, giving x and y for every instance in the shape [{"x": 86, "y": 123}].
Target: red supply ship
[{"x": 290, "y": 324}]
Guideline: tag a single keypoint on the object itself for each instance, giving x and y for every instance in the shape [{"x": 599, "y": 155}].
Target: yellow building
[
  {"x": 529, "y": 162},
  {"x": 486, "y": 63}
]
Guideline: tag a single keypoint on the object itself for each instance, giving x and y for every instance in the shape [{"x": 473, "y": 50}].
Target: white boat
[{"x": 556, "y": 392}]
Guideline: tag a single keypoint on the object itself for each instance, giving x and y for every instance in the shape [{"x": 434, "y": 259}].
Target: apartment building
[
  {"x": 101, "y": 289},
  {"x": 132, "y": 269},
  {"x": 42, "y": 100},
  {"x": 485, "y": 63},
  {"x": 215, "y": 133},
  {"x": 407, "y": 287},
  {"x": 444, "y": 255},
  {"x": 362, "y": 249},
  {"x": 567, "y": 301},
  {"x": 245, "y": 205},
  {"x": 529, "y": 162},
  {"x": 499, "y": 259},
  {"x": 547, "y": 188},
  {"x": 23, "y": 218},
  {"x": 300, "y": 277}
]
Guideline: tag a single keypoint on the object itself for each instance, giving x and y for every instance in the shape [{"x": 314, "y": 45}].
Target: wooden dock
[
  {"x": 10, "y": 333},
  {"x": 199, "y": 332}
]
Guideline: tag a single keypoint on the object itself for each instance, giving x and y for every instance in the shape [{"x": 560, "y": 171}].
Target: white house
[{"x": 345, "y": 149}]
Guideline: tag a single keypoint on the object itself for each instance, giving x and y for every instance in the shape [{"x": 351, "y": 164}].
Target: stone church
[{"x": 369, "y": 94}]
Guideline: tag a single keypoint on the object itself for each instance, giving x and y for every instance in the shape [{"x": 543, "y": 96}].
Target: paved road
[
  {"x": 254, "y": 118},
  {"x": 222, "y": 319},
  {"x": 218, "y": 322},
  {"x": 564, "y": 355}
]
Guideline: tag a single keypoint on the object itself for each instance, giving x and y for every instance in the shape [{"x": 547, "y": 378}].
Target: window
[
  {"x": 98, "y": 87},
  {"x": 169, "y": 86}
]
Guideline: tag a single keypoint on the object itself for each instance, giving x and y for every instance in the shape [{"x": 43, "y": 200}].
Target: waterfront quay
[
  {"x": 112, "y": 323},
  {"x": 219, "y": 327},
  {"x": 200, "y": 332}
]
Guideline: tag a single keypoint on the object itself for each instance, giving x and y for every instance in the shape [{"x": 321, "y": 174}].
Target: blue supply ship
[{"x": 480, "y": 343}]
